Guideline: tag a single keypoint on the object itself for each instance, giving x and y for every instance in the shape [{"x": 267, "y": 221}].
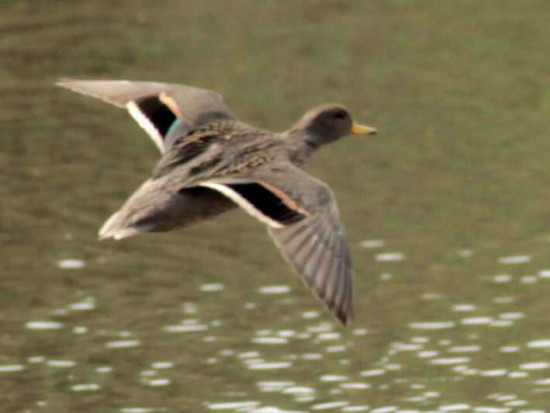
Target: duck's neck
[{"x": 300, "y": 147}]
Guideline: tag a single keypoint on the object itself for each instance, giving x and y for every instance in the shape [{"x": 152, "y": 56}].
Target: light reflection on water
[{"x": 453, "y": 344}]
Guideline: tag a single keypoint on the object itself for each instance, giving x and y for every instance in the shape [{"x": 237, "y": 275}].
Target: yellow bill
[{"x": 358, "y": 129}]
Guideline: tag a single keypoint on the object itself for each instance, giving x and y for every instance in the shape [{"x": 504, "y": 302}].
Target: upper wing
[
  {"x": 302, "y": 217},
  {"x": 159, "y": 108}
]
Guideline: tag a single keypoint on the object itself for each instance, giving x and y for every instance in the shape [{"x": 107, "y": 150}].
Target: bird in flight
[{"x": 211, "y": 163}]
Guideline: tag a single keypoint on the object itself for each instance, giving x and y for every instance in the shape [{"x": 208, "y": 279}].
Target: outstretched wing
[
  {"x": 163, "y": 110},
  {"x": 317, "y": 249},
  {"x": 302, "y": 216}
]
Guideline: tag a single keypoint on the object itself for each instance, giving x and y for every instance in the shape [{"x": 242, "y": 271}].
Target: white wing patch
[
  {"x": 243, "y": 203},
  {"x": 146, "y": 124}
]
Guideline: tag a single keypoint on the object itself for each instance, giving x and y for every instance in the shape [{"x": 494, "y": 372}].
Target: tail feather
[
  {"x": 154, "y": 208},
  {"x": 150, "y": 208},
  {"x": 116, "y": 227}
]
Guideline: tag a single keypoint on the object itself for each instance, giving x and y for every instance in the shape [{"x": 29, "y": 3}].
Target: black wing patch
[
  {"x": 268, "y": 203},
  {"x": 158, "y": 113}
]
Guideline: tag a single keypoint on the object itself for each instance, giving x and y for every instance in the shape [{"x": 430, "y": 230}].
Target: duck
[{"x": 211, "y": 162}]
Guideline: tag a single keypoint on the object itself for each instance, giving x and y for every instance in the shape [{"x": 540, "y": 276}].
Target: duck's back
[{"x": 217, "y": 149}]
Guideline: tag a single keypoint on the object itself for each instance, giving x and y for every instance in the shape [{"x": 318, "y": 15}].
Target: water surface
[{"x": 446, "y": 212}]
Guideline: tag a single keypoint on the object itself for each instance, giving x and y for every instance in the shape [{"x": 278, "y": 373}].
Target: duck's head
[{"x": 327, "y": 123}]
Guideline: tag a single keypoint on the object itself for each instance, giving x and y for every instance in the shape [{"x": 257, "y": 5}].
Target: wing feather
[
  {"x": 313, "y": 241},
  {"x": 161, "y": 109},
  {"x": 326, "y": 267}
]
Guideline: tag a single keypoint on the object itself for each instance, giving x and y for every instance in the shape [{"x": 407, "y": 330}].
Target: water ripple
[
  {"x": 70, "y": 263},
  {"x": 372, "y": 243},
  {"x": 11, "y": 368},
  {"x": 123, "y": 344},
  {"x": 232, "y": 405},
  {"x": 473, "y": 321},
  {"x": 43, "y": 325},
  {"x": 450, "y": 360},
  {"x": 269, "y": 366},
  {"x": 185, "y": 328},
  {"x": 61, "y": 363},
  {"x": 275, "y": 289},
  {"x": 270, "y": 340},
  {"x": 372, "y": 373},
  {"x": 85, "y": 387},
  {"x": 274, "y": 386},
  {"x": 211, "y": 287},
  {"x": 515, "y": 259},
  {"x": 432, "y": 325},
  {"x": 329, "y": 406},
  {"x": 535, "y": 365},
  {"x": 389, "y": 256}
]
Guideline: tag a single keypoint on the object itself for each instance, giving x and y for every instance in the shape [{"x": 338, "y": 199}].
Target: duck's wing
[
  {"x": 163, "y": 110},
  {"x": 302, "y": 216}
]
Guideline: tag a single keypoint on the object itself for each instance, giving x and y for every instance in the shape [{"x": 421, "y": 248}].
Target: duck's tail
[
  {"x": 149, "y": 209},
  {"x": 154, "y": 208}
]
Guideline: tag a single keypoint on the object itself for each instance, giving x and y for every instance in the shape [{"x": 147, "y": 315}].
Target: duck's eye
[{"x": 340, "y": 115}]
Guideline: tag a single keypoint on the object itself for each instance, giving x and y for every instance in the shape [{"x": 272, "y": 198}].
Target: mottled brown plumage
[{"x": 211, "y": 163}]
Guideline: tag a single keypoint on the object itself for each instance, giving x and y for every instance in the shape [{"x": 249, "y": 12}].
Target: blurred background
[{"x": 446, "y": 211}]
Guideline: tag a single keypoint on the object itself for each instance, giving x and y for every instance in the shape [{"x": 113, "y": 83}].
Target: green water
[{"x": 446, "y": 211}]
